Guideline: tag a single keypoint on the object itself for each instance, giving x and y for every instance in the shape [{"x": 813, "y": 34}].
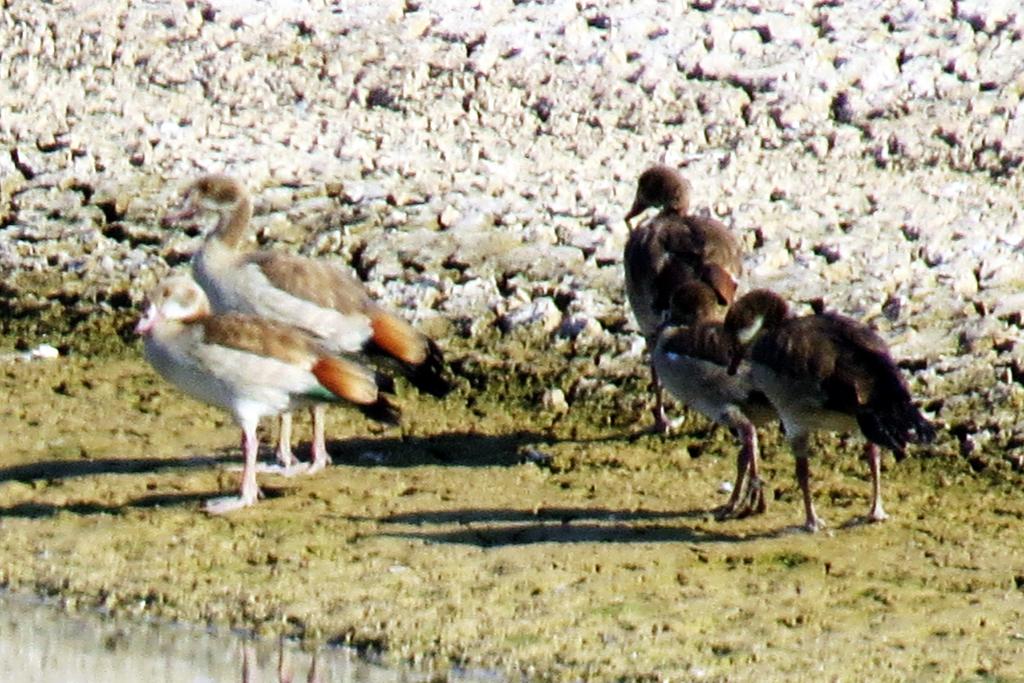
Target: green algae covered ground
[{"x": 490, "y": 531}]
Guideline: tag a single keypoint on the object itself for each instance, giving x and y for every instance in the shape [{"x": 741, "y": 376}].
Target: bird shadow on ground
[
  {"x": 497, "y": 535},
  {"x": 489, "y": 528},
  {"x": 59, "y": 470},
  {"x": 69, "y": 469},
  {"x": 462, "y": 449},
  {"x": 34, "y": 510},
  {"x": 196, "y": 499},
  {"x": 457, "y": 449}
]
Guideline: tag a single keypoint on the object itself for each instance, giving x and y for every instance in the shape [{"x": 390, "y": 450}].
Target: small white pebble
[
  {"x": 448, "y": 217},
  {"x": 44, "y": 352},
  {"x": 725, "y": 487},
  {"x": 554, "y": 400}
]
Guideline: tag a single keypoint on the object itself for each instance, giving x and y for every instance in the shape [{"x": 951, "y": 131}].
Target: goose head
[
  {"x": 755, "y": 313},
  {"x": 220, "y": 195},
  {"x": 176, "y": 298},
  {"x": 692, "y": 303},
  {"x": 663, "y": 187}
]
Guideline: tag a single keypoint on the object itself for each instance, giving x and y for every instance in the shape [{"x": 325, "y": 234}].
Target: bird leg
[
  {"x": 730, "y": 508},
  {"x": 321, "y": 458},
  {"x": 287, "y": 464},
  {"x": 877, "y": 512},
  {"x": 746, "y": 461},
  {"x": 285, "y": 457},
  {"x": 755, "y": 504},
  {"x": 250, "y": 491},
  {"x": 662, "y": 425},
  {"x": 801, "y": 450}
]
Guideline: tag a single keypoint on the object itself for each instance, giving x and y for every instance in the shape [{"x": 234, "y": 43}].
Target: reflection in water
[
  {"x": 252, "y": 671},
  {"x": 41, "y": 644}
]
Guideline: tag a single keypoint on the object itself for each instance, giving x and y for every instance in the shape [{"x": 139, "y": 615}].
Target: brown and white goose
[
  {"x": 314, "y": 295},
  {"x": 250, "y": 367},
  {"x": 692, "y": 357},
  {"x": 669, "y": 249},
  {"x": 826, "y": 372}
]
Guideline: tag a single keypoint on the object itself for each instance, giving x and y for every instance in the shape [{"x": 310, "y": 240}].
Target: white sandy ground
[{"x": 478, "y": 158}]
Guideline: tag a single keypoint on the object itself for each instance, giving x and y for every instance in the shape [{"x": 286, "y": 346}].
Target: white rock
[
  {"x": 985, "y": 14},
  {"x": 540, "y": 313},
  {"x": 554, "y": 400},
  {"x": 448, "y": 217},
  {"x": 44, "y": 352},
  {"x": 581, "y": 328}
]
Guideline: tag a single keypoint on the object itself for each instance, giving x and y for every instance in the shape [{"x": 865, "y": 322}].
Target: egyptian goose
[
  {"x": 315, "y": 295},
  {"x": 692, "y": 357},
  {"x": 250, "y": 367},
  {"x": 669, "y": 249},
  {"x": 825, "y": 372}
]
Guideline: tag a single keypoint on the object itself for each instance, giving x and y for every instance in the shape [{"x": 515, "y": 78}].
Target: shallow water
[{"x": 41, "y": 644}]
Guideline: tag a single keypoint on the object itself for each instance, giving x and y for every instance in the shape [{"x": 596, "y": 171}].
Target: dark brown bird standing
[
  {"x": 825, "y": 372},
  {"x": 692, "y": 358},
  {"x": 669, "y": 250}
]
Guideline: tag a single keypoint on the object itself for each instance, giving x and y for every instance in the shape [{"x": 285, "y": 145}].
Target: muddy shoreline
[{"x": 488, "y": 533}]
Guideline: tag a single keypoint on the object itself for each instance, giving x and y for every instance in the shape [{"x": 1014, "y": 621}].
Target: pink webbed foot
[
  {"x": 225, "y": 504},
  {"x": 318, "y": 464},
  {"x": 297, "y": 467},
  {"x": 813, "y": 525}
]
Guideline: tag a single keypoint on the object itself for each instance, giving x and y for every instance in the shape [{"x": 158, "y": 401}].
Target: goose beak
[
  {"x": 148, "y": 321},
  {"x": 634, "y": 211}
]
